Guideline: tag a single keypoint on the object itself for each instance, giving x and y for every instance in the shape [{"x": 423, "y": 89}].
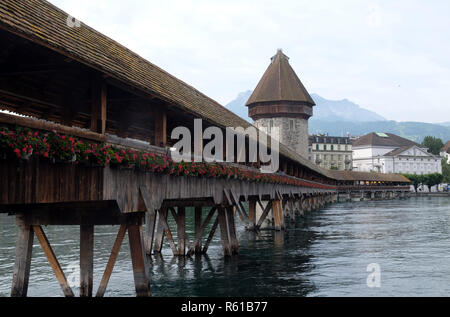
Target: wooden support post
[
  {"x": 150, "y": 220},
  {"x": 163, "y": 228},
  {"x": 198, "y": 230},
  {"x": 252, "y": 214},
  {"x": 160, "y": 128},
  {"x": 98, "y": 110},
  {"x": 112, "y": 260},
  {"x": 86, "y": 260},
  {"x": 141, "y": 279},
  {"x": 159, "y": 238},
  {"x": 53, "y": 261},
  {"x": 211, "y": 235},
  {"x": 277, "y": 214},
  {"x": 199, "y": 233},
  {"x": 224, "y": 232},
  {"x": 264, "y": 214},
  {"x": 24, "y": 248},
  {"x": 181, "y": 228},
  {"x": 232, "y": 230}
]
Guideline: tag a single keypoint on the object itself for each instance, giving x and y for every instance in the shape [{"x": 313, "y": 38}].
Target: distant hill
[
  {"x": 342, "y": 110},
  {"x": 326, "y": 110},
  {"x": 415, "y": 131},
  {"x": 238, "y": 105},
  {"x": 339, "y": 117}
]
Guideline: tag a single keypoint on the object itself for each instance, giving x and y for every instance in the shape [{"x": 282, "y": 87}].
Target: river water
[{"x": 325, "y": 254}]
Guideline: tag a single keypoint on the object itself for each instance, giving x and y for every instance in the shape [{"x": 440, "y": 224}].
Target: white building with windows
[
  {"x": 331, "y": 152},
  {"x": 389, "y": 153}
]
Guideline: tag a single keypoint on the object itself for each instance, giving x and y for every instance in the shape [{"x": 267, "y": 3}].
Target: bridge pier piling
[
  {"x": 22, "y": 264},
  {"x": 197, "y": 244},
  {"x": 31, "y": 222}
]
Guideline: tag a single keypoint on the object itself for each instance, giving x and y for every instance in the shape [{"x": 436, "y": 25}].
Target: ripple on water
[{"x": 325, "y": 254}]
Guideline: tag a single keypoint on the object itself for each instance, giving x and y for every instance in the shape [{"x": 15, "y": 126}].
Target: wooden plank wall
[{"x": 38, "y": 181}]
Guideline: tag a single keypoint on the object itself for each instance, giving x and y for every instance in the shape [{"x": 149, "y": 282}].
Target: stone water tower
[{"x": 281, "y": 101}]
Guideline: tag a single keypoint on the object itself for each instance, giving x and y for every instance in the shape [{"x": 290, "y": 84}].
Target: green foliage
[
  {"x": 432, "y": 179},
  {"x": 415, "y": 179},
  {"x": 445, "y": 171},
  {"x": 429, "y": 180},
  {"x": 433, "y": 144}
]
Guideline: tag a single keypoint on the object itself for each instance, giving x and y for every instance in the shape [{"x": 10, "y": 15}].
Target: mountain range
[{"x": 342, "y": 117}]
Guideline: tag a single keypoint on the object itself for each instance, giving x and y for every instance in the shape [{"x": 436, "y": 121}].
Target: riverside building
[
  {"x": 390, "y": 153},
  {"x": 331, "y": 152}
]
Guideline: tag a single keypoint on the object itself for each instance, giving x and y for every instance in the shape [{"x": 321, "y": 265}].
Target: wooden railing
[{"x": 372, "y": 187}]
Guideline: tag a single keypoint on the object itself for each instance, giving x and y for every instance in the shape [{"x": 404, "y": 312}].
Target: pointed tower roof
[{"x": 280, "y": 83}]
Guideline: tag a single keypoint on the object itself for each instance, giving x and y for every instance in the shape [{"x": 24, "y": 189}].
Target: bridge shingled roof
[{"x": 41, "y": 22}]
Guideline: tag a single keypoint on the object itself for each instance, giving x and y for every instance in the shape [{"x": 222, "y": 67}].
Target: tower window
[{"x": 291, "y": 125}]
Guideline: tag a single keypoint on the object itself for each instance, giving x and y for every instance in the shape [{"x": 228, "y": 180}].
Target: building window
[
  {"x": 332, "y": 147},
  {"x": 270, "y": 125},
  {"x": 317, "y": 147},
  {"x": 291, "y": 125},
  {"x": 340, "y": 157},
  {"x": 324, "y": 147}
]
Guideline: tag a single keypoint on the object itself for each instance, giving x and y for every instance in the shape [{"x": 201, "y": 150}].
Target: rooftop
[
  {"x": 280, "y": 83},
  {"x": 446, "y": 147},
  {"x": 383, "y": 139}
]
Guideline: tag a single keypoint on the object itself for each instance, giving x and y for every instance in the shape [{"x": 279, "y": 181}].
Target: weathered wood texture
[
  {"x": 251, "y": 214},
  {"x": 86, "y": 260},
  {"x": 39, "y": 181},
  {"x": 111, "y": 261},
  {"x": 22, "y": 264},
  {"x": 224, "y": 232},
  {"x": 197, "y": 244},
  {"x": 141, "y": 278},
  {"x": 74, "y": 213},
  {"x": 150, "y": 220},
  {"x": 53, "y": 261},
  {"x": 181, "y": 230},
  {"x": 165, "y": 187}
]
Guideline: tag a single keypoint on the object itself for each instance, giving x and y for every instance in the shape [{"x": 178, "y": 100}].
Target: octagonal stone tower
[{"x": 281, "y": 101}]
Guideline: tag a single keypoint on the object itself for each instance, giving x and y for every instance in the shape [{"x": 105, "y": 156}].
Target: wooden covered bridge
[{"x": 85, "y": 142}]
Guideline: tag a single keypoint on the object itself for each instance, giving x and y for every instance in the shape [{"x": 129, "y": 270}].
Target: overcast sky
[{"x": 390, "y": 56}]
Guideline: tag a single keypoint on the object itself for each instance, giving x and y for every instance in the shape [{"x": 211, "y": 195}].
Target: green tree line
[{"x": 428, "y": 180}]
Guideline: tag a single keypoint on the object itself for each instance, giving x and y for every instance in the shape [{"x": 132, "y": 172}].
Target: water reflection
[{"x": 324, "y": 254}]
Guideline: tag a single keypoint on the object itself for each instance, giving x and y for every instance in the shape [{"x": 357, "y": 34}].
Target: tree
[
  {"x": 445, "y": 171},
  {"x": 433, "y": 144},
  {"x": 415, "y": 179},
  {"x": 432, "y": 179}
]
